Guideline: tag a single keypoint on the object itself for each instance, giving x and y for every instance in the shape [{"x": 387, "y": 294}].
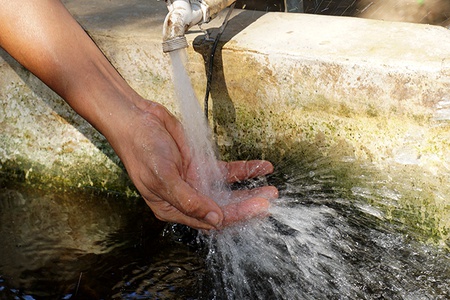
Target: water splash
[{"x": 320, "y": 243}]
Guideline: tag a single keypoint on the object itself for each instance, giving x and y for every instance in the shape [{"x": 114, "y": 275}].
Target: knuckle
[
  {"x": 192, "y": 208},
  {"x": 160, "y": 217}
]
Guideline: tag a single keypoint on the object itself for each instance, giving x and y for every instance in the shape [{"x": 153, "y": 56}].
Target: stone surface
[{"x": 365, "y": 92}]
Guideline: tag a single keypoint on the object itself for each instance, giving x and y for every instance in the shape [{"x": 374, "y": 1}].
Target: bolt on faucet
[{"x": 183, "y": 14}]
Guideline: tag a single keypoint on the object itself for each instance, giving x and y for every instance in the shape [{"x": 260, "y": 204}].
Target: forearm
[{"x": 43, "y": 37}]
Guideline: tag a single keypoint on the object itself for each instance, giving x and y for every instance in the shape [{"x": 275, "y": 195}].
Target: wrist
[{"x": 115, "y": 115}]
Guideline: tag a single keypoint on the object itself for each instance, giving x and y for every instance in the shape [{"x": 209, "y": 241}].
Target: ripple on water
[{"x": 88, "y": 246}]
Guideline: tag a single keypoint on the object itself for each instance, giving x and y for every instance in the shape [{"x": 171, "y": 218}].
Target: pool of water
[
  {"x": 323, "y": 240},
  {"x": 88, "y": 246}
]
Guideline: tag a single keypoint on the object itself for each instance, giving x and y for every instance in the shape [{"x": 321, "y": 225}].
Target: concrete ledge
[{"x": 360, "y": 91}]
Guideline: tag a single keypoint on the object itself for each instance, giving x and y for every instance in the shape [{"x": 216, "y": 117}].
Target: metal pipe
[{"x": 184, "y": 14}]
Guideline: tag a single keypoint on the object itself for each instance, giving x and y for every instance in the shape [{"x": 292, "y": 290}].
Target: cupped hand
[
  {"x": 148, "y": 139},
  {"x": 246, "y": 204},
  {"x": 155, "y": 153}
]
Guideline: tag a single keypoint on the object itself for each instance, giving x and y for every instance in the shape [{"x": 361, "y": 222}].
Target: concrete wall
[{"x": 361, "y": 91}]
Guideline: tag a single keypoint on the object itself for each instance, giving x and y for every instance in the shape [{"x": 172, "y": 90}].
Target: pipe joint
[{"x": 183, "y": 14}]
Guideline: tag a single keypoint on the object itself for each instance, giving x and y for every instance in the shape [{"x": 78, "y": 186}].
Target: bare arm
[{"x": 44, "y": 37}]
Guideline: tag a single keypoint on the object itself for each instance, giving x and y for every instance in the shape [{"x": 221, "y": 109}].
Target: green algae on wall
[
  {"x": 418, "y": 181},
  {"x": 45, "y": 143}
]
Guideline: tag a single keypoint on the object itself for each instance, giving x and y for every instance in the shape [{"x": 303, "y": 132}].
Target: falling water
[{"x": 210, "y": 180}]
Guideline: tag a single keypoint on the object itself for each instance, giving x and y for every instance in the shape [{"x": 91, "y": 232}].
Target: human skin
[{"x": 46, "y": 39}]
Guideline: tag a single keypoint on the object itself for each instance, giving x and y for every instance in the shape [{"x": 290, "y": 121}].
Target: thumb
[{"x": 194, "y": 204}]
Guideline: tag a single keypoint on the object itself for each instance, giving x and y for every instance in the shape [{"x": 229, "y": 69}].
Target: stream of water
[{"x": 198, "y": 133}]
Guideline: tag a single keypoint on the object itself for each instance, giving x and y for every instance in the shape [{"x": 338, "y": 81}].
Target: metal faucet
[{"x": 183, "y": 14}]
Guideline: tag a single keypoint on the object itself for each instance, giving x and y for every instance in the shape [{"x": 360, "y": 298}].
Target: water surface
[
  {"x": 77, "y": 245},
  {"x": 323, "y": 240}
]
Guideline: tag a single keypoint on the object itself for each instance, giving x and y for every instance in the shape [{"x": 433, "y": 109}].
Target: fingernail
[{"x": 213, "y": 219}]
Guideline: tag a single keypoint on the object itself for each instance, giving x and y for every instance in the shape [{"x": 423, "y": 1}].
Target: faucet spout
[{"x": 183, "y": 14}]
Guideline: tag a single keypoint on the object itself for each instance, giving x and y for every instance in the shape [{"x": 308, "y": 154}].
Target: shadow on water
[{"x": 323, "y": 240}]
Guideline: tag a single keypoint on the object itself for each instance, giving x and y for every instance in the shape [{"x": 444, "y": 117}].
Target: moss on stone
[{"x": 369, "y": 145}]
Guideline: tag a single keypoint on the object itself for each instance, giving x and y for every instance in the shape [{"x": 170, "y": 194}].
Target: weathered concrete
[{"x": 363, "y": 91}]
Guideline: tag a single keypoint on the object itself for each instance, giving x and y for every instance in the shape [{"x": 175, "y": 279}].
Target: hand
[
  {"x": 247, "y": 203},
  {"x": 155, "y": 153},
  {"x": 46, "y": 40}
]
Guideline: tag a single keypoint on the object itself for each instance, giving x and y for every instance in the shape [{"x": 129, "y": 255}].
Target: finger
[
  {"x": 171, "y": 214},
  {"x": 267, "y": 192},
  {"x": 245, "y": 210},
  {"x": 191, "y": 203},
  {"x": 241, "y": 170}
]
